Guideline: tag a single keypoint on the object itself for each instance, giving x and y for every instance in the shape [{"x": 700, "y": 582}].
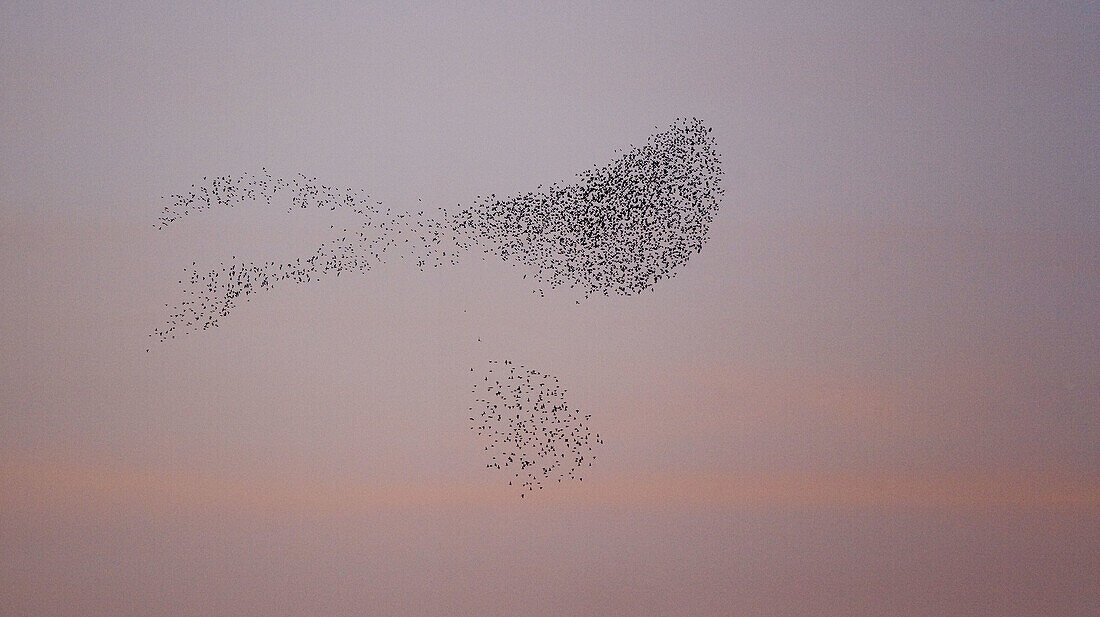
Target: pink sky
[{"x": 874, "y": 392}]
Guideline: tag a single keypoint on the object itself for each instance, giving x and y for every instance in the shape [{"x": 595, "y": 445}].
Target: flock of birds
[
  {"x": 528, "y": 427},
  {"x": 618, "y": 229}
]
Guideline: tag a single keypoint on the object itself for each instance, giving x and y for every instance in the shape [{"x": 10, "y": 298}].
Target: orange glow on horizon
[{"x": 59, "y": 486}]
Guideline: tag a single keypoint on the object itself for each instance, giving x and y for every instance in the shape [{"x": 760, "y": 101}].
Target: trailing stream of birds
[{"x": 617, "y": 229}]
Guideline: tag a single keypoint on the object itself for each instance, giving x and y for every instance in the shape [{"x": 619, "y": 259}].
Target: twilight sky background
[{"x": 874, "y": 392}]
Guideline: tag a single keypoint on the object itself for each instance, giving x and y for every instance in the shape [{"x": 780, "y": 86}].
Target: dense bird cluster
[
  {"x": 619, "y": 228},
  {"x": 528, "y": 428}
]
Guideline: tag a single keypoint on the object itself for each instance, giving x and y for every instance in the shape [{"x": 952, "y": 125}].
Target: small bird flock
[
  {"x": 528, "y": 428},
  {"x": 619, "y": 229}
]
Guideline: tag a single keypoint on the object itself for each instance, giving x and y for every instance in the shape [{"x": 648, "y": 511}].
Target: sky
[{"x": 875, "y": 391}]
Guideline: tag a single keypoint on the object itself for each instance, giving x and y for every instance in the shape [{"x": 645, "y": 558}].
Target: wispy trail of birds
[
  {"x": 619, "y": 229},
  {"x": 528, "y": 428},
  {"x": 212, "y": 294}
]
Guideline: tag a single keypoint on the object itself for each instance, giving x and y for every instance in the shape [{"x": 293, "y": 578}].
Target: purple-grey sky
[{"x": 874, "y": 392}]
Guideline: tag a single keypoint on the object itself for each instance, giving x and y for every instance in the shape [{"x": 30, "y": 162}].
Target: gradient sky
[{"x": 874, "y": 392}]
